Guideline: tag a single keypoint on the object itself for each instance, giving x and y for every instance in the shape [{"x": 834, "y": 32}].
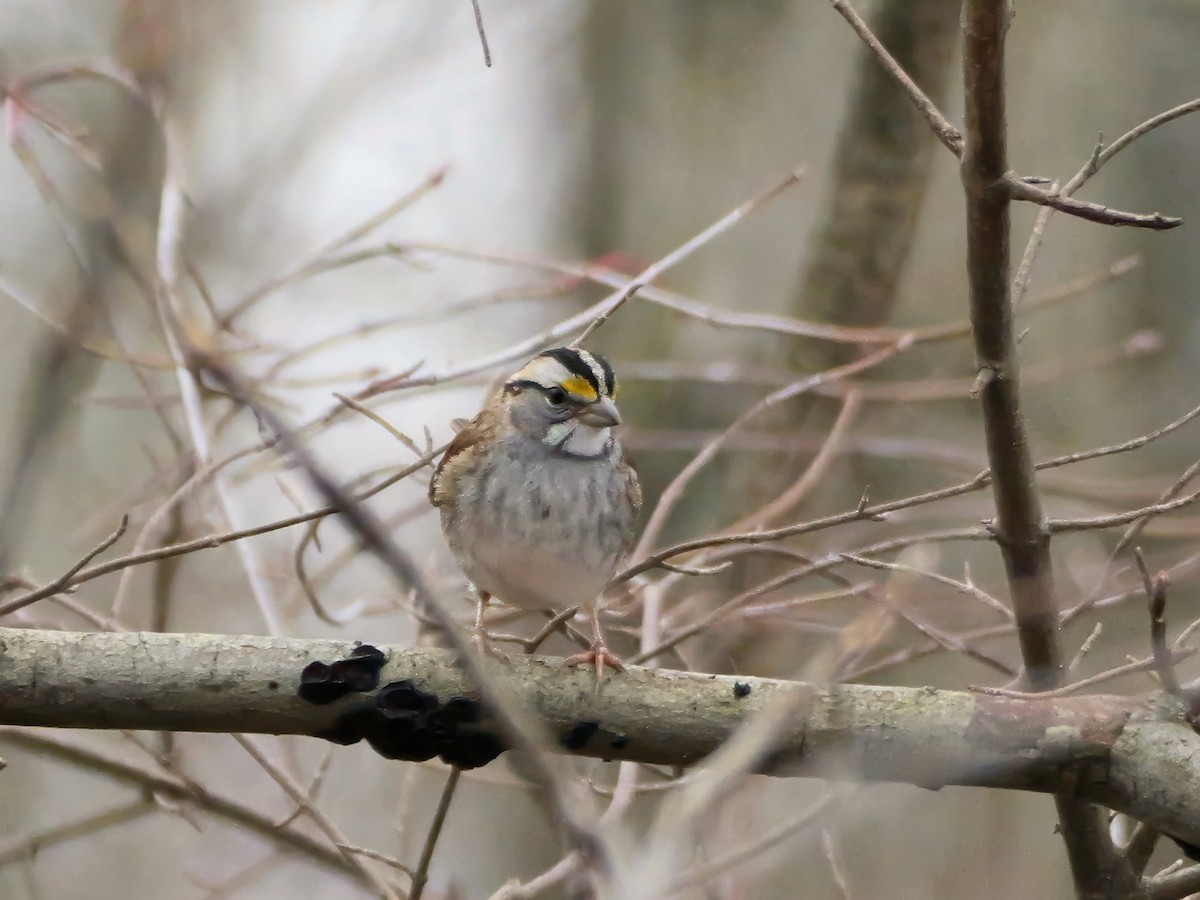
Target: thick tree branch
[
  {"x": 1019, "y": 527},
  {"x": 1098, "y": 870},
  {"x": 1132, "y": 754}
]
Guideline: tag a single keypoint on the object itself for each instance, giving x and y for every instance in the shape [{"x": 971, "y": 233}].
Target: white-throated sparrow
[{"x": 537, "y": 500}]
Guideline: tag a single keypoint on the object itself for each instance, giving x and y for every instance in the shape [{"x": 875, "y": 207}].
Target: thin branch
[
  {"x": 836, "y": 868},
  {"x": 589, "y": 318},
  {"x": 813, "y": 473},
  {"x": 1156, "y": 600},
  {"x": 672, "y": 494},
  {"x": 483, "y": 41},
  {"x": 815, "y": 567},
  {"x": 963, "y": 587},
  {"x": 1090, "y": 523},
  {"x": 65, "y": 579},
  {"x": 1124, "y": 447},
  {"x": 1100, "y": 155},
  {"x": 1085, "y": 648},
  {"x": 945, "y": 132},
  {"x": 863, "y": 512},
  {"x": 1019, "y": 189},
  {"x": 949, "y": 641},
  {"x": 716, "y": 868},
  {"x": 1138, "y": 665},
  {"x": 683, "y": 251},
  {"x": 318, "y": 818},
  {"x": 24, "y": 848},
  {"x": 756, "y": 321},
  {"x": 421, "y": 875},
  {"x": 319, "y": 259},
  {"x": 213, "y": 540},
  {"x": 204, "y": 799},
  {"x": 552, "y": 877}
]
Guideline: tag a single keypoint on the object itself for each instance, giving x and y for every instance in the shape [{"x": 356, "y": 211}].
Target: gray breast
[{"x": 547, "y": 530}]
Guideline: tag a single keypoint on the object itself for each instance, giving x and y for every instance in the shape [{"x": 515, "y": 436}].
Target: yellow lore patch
[{"x": 579, "y": 387}]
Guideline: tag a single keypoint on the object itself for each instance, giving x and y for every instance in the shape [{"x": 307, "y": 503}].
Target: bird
[{"x": 538, "y": 502}]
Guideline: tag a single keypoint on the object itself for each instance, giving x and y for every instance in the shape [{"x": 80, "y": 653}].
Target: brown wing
[
  {"x": 633, "y": 493},
  {"x": 442, "y": 484}
]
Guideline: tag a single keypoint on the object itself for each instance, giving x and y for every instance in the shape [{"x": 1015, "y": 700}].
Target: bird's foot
[
  {"x": 598, "y": 656},
  {"x": 482, "y": 642}
]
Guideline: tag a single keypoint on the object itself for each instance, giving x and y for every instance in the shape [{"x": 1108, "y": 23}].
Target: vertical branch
[
  {"x": 1098, "y": 870},
  {"x": 1019, "y": 527}
]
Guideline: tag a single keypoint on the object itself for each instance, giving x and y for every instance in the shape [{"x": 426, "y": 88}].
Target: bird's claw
[
  {"x": 483, "y": 645},
  {"x": 598, "y": 656}
]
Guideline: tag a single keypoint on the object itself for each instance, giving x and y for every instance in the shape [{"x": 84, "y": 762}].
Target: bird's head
[{"x": 564, "y": 398}]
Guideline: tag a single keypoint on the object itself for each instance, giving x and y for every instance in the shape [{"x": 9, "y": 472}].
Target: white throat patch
[{"x": 578, "y": 439}]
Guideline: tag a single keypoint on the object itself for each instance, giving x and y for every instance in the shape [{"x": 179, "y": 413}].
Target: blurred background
[{"x": 362, "y": 198}]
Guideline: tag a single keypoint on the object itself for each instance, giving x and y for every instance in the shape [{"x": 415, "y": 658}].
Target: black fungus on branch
[
  {"x": 323, "y": 683},
  {"x": 402, "y": 721}
]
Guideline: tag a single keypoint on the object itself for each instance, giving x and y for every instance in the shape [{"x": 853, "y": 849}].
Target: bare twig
[
  {"x": 65, "y": 579},
  {"x": 590, "y": 318},
  {"x": 760, "y": 844},
  {"x": 23, "y": 848},
  {"x": 755, "y": 321},
  {"x": 685, "y": 250},
  {"x": 1123, "y": 447},
  {"x": 1100, "y": 155},
  {"x": 1156, "y": 599},
  {"x": 379, "y": 857},
  {"x": 216, "y": 540},
  {"x": 791, "y": 497},
  {"x": 966, "y": 586},
  {"x": 555, "y": 875},
  {"x": 318, "y": 818},
  {"x": 204, "y": 799},
  {"x": 1020, "y": 189},
  {"x": 1085, "y": 648},
  {"x": 318, "y": 260},
  {"x": 380, "y": 421},
  {"x": 946, "y": 133},
  {"x": 1138, "y": 665},
  {"x": 1060, "y": 526},
  {"x": 832, "y": 856},
  {"x": 811, "y": 568},
  {"x": 674, "y": 491},
  {"x": 863, "y": 512},
  {"x": 483, "y": 41},
  {"x": 421, "y": 875}
]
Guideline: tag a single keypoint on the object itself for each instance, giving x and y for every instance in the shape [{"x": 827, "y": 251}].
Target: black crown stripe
[
  {"x": 610, "y": 379},
  {"x": 576, "y": 365}
]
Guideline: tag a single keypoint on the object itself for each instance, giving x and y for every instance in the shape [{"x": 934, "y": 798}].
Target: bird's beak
[{"x": 601, "y": 414}]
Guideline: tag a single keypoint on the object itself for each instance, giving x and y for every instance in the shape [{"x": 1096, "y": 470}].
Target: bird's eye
[{"x": 557, "y": 396}]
